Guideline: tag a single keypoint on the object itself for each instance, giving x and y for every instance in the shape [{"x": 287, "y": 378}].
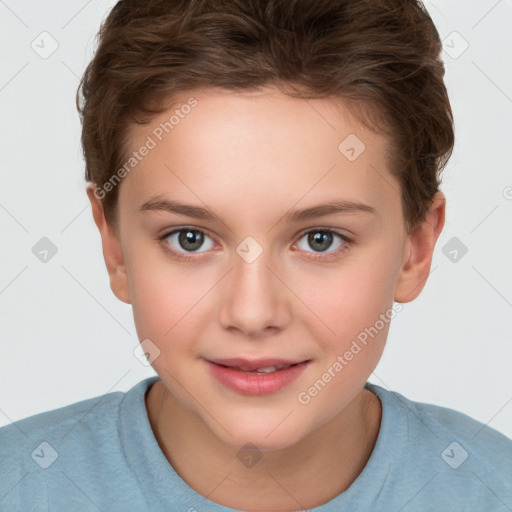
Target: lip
[
  {"x": 252, "y": 383},
  {"x": 253, "y": 364}
]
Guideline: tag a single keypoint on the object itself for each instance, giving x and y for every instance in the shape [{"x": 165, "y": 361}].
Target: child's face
[{"x": 253, "y": 159}]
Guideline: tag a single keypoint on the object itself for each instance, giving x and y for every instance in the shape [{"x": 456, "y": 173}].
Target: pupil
[
  {"x": 187, "y": 237},
  {"x": 324, "y": 239},
  {"x": 195, "y": 238}
]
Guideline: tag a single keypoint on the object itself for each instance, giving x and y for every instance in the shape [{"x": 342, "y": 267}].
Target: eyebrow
[{"x": 197, "y": 212}]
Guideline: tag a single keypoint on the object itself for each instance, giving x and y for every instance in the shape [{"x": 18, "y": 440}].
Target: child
[{"x": 253, "y": 130}]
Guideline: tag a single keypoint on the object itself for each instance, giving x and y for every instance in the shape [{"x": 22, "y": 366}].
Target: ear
[
  {"x": 112, "y": 250},
  {"x": 418, "y": 251}
]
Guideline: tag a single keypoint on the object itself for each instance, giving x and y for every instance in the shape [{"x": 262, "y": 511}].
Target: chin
[{"x": 265, "y": 436}]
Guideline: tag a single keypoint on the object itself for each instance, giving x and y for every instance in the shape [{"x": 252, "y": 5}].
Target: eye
[
  {"x": 185, "y": 240},
  {"x": 321, "y": 240}
]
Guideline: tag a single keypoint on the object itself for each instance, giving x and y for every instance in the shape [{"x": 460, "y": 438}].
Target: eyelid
[
  {"x": 325, "y": 230},
  {"x": 300, "y": 234},
  {"x": 330, "y": 255},
  {"x": 168, "y": 232},
  {"x": 177, "y": 229},
  {"x": 314, "y": 255}
]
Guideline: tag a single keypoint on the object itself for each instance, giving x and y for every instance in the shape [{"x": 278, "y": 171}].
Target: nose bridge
[{"x": 254, "y": 300}]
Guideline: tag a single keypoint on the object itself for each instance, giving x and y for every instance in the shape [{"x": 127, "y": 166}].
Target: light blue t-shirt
[{"x": 101, "y": 455}]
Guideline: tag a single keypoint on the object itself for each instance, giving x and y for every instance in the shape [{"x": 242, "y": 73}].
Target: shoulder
[
  {"x": 61, "y": 421},
  {"x": 48, "y": 437},
  {"x": 62, "y": 452},
  {"x": 464, "y": 457},
  {"x": 446, "y": 421}
]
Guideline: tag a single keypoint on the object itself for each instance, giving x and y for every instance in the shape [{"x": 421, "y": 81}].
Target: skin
[{"x": 251, "y": 158}]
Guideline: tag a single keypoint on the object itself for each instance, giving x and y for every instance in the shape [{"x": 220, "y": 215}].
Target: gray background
[{"x": 65, "y": 337}]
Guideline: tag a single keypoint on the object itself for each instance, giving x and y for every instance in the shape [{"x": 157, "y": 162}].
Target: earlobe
[
  {"x": 418, "y": 252},
  {"x": 112, "y": 249}
]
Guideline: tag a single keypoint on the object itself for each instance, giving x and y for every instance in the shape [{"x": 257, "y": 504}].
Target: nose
[{"x": 254, "y": 298}]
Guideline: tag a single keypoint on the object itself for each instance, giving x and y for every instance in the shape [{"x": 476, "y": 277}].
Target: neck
[{"x": 305, "y": 475}]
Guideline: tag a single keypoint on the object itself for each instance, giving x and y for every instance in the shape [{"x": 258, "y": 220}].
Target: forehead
[{"x": 264, "y": 146}]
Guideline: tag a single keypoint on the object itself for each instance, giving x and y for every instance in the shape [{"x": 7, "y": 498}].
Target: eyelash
[{"x": 316, "y": 256}]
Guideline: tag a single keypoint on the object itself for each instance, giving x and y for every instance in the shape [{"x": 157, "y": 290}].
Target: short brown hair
[{"x": 382, "y": 56}]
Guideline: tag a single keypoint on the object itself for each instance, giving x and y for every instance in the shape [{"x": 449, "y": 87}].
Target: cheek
[
  {"x": 162, "y": 302},
  {"x": 336, "y": 304},
  {"x": 358, "y": 308},
  {"x": 169, "y": 300},
  {"x": 353, "y": 298}
]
